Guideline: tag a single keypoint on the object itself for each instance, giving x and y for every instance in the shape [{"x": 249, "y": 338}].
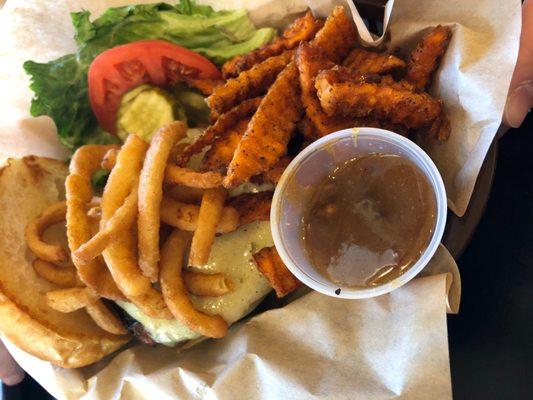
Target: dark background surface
[{"x": 491, "y": 339}]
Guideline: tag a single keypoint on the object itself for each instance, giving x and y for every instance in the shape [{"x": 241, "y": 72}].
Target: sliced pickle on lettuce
[{"x": 145, "y": 109}]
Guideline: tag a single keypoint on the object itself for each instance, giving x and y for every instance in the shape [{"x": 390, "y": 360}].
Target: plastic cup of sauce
[{"x": 358, "y": 213}]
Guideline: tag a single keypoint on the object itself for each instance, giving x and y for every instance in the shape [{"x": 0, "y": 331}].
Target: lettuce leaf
[{"x": 60, "y": 86}]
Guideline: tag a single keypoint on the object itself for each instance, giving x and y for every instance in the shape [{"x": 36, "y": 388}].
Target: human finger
[
  {"x": 520, "y": 97},
  {"x": 10, "y": 372}
]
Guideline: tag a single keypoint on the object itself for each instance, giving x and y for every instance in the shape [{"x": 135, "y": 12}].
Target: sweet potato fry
[
  {"x": 371, "y": 62},
  {"x": 185, "y": 216},
  {"x": 252, "y": 207},
  {"x": 358, "y": 98},
  {"x": 302, "y": 29},
  {"x": 224, "y": 123},
  {"x": 248, "y": 84},
  {"x": 441, "y": 129},
  {"x": 310, "y": 60},
  {"x": 219, "y": 155},
  {"x": 383, "y": 124},
  {"x": 425, "y": 58},
  {"x": 273, "y": 175},
  {"x": 306, "y": 128},
  {"x": 387, "y": 80},
  {"x": 269, "y": 130},
  {"x": 337, "y": 37},
  {"x": 330, "y": 45},
  {"x": 272, "y": 267}
]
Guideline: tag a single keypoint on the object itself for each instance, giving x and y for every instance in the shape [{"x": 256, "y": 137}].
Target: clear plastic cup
[{"x": 309, "y": 168}]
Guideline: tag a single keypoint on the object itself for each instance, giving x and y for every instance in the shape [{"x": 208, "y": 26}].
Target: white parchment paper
[{"x": 394, "y": 346}]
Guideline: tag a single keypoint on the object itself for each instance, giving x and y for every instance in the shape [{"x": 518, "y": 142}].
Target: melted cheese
[{"x": 231, "y": 255}]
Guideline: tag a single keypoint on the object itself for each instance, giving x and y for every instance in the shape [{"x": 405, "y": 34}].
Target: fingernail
[
  {"x": 13, "y": 379},
  {"x": 519, "y": 104}
]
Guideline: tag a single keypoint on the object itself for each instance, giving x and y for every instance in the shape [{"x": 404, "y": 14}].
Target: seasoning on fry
[{"x": 151, "y": 194}]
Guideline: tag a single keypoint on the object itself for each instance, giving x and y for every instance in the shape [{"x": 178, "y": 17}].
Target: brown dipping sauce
[{"x": 369, "y": 220}]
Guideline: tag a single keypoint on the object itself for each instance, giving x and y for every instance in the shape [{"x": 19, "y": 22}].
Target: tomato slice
[{"x": 121, "y": 68}]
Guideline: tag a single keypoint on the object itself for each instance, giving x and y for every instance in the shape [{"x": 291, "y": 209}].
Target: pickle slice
[{"x": 145, "y": 109}]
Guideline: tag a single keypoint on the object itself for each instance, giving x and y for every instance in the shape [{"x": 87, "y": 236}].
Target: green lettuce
[{"x": 60, "y": 86}]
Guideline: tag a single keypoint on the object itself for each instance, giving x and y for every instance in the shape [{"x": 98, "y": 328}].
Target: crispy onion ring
[
  {"x": 85, "y": 161},
  {"x": 151, "y": 194},
  {"x": 35, "y": 228},
  {"x": 175, "y": 292}
]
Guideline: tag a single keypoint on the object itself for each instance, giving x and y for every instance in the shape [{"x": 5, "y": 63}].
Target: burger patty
[{"x": 135, "y": 327}]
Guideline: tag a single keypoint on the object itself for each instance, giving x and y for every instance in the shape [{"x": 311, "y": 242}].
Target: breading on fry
[
  {"x": 371, "y": 62},
  {"x": 248, "y": 84},
  {"x": 441, "y": 128},
  {"x": 69, "y": 299},
  {"x": 35, "y": 228},
  {"x": 191, "y": 178},
  {"x": 201, "y": 284},
  {"x": 185, "y": 216},
  {"x": 398, "y": 85},
  {"x": 225, "y": 122},
  {"x": 184, "y": 194},
  {"x": 151, "y": 194},
  {"x": 175, "y": 175},
  {"x": 383, "y": 124},
  {"x": 358, "y": 98},
  {"x": 338, "y": 36},
  {"x": 306, "y": 128},
  {"x": 79, "y": 194},
  {"x": 252, "y": 206},
  {"x": 273, "y": 175},
  {"x": 61, "y": 276},
  {"x": 109, "y": 160},
  {"x": 120, "y": 221},
  {"x": 310, "y": 60},
  {"x": 121, "y": 196},
  {"x": 219, "y": 155},
  {"x": 272, "y": 267},
  {"x": 105, "y": 318},
  {"x": 269, "y": 130},
  {"x": 425, "y": 57},
  {"x": 175, "y": 292},
  {"x": 208, "y": 219},
  {"x": 302, "y": 29}
]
